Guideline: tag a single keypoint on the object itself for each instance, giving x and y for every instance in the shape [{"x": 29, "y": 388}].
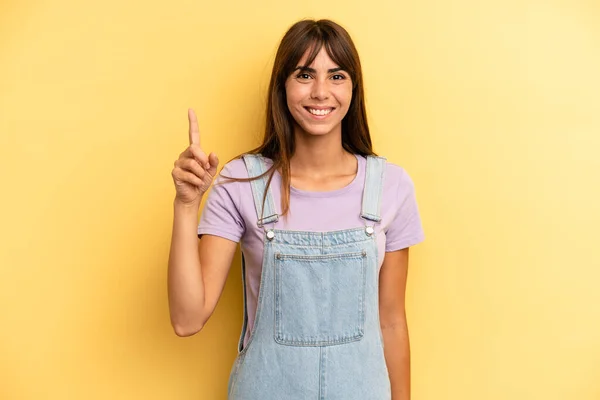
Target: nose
[{"x": 319, "y": 90}]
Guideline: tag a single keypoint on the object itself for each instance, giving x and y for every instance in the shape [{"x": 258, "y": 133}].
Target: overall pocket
[{"x": 319, "y": 299}]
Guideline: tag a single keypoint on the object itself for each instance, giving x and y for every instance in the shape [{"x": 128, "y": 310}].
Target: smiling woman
[
  {"x": 321, "y": 93},
  {"x": 324, "y": 226}
]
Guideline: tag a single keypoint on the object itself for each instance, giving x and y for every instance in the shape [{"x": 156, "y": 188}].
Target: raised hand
[{"x": 193, "y": 171}]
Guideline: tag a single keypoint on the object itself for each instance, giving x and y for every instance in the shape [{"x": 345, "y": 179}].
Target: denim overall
[{"x": 316, "y": 334}]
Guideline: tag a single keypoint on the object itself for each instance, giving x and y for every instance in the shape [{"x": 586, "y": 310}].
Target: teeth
[{"x": 319, "y": 112}]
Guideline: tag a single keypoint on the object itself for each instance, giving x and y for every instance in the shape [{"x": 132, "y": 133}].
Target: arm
[
  {"x": 392, "y": 286},
  {"x": 196, "y": 273}
]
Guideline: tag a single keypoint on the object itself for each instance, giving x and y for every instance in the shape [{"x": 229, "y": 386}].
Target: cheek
[
  {"x": 292, "y": 97},
  {"x": 345, "y": 98}
]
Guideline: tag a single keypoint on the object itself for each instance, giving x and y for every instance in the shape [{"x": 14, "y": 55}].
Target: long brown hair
[{"x": 279, "y": 141}]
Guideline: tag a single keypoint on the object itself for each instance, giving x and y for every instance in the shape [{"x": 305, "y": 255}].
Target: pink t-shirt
[{"x": 229, "y": 212}]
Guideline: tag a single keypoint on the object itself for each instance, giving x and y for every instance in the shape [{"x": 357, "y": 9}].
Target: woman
[{"x": 324, "y": 226}]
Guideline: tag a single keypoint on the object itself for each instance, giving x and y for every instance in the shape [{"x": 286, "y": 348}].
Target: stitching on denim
[
  {"x": 283, "y": 340},
  {"x": 312, "y": 233},
  {"x": 323, "y": 380},
  {"x": 321, "y": 373},
  {"x": 296, "y": 238},
  {"x": 255, "y": 166},
  {"x": 355, "y": 334},
  {"x": 319, "y": 257},
  {"x": 322, "y": 243},
  {"x": 374, "y": 184}
]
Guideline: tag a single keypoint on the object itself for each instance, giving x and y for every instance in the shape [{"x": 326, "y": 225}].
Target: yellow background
[{"x": 492, "y": 106}]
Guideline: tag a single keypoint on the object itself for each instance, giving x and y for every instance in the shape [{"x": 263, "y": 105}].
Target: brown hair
[{"x": 279, "y": 141}]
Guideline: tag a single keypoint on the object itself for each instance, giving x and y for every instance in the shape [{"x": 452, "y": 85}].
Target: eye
[
  {"x": 303, "y": 75},
  {"x": 338, "y": 77}
]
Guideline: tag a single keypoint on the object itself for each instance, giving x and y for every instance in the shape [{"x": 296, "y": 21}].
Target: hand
[{"x": 194, "y": 170}]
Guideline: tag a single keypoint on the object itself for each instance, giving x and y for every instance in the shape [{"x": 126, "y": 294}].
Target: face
[{"x": 318, "y": 95}]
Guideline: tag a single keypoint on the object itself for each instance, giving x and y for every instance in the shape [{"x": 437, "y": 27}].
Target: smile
[{"x": 319, "y": 111}]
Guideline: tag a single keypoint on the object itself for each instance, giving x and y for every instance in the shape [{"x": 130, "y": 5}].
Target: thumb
[{"x": 213, "y": 160}]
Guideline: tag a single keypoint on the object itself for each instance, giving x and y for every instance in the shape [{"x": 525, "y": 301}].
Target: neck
[{"x": 319, "y": 155}]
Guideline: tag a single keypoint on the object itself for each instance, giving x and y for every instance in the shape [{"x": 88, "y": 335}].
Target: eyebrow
[{"x": 314, "y": 71}]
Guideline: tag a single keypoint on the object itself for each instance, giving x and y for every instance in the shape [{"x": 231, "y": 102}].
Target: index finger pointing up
[{"x": 194, "y": 132}]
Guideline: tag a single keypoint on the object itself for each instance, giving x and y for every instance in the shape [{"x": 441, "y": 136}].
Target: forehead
[{"x": 322, "y": 58}]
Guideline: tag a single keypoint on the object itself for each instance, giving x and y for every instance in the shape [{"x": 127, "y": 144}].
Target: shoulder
[
  {"x": 235, "y": 168},
  {"x": 238, "y": 169},
  {"x": 397, "y": 177},
  {"x": 227, "y": 181},
  {"x": 400, "y": 213},
  {"x": 397, "y": 185}
]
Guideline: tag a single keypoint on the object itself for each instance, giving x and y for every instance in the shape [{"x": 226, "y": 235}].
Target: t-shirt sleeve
[
  {"x": 405, "y": 229},
  {"x": 221, "y": 214}
]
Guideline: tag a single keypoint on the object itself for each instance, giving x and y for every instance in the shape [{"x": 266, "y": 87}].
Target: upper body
[{"x": 230, "y": 213}]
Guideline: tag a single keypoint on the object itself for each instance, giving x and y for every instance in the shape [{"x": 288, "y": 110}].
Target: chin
[{"x": 318, "y": 130}]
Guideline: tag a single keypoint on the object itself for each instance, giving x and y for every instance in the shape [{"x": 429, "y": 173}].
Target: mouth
[{"x": 319, "y": 112}]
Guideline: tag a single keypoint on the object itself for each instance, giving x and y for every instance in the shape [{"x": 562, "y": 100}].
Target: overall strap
[
  {"x": 256, "y": 166},
  {"x": 371, "y": 204}
]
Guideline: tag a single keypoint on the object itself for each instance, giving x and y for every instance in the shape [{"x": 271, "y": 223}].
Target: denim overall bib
[{"x": 316, "y": 334}]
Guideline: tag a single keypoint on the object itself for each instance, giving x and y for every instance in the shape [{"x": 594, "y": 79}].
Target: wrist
[{"x": 187, "y": 207}]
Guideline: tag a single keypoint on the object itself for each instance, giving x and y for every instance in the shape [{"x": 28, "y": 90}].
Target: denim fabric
[
  {"x": 267, "y": 214},
  {"x": 316, "y": 334}
]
